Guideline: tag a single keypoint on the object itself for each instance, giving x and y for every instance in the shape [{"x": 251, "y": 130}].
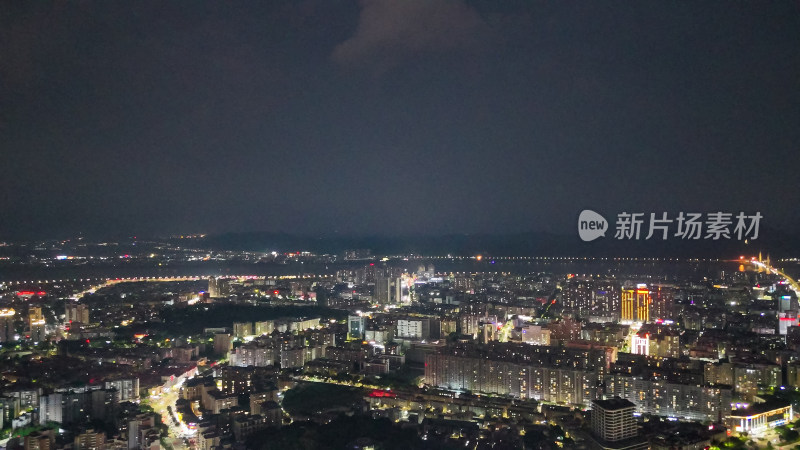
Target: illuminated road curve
[
  {"x": 792, "y": 283},
  {"x": 180, "y": 278},
  {"x": 106, "y": 282}
]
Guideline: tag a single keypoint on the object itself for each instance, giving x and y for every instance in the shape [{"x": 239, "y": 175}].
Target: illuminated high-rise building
[
  {"x": 662, "y": 304},
  {"x": 365, "y": 274},
  {"x": 35, "y": 315},
  {"x": 264, "y": 327},
  {"x": 223, "y": 343},
  {"x": 38, "y": 331},
  {"x": 612, "y": 420},
  {"x": 7, "y": 324},
  {"x": 607, "y": 298},
  {"x": 90, "y": 440},
  {"x": 242, "y": 330},
  {"x": 462, "y": 283},
  {"x": 636, "y": 304},
  {"x": 388, "y": 290},
  {"x": 596, "y": 297},
  {"x": 36, "y": 324},
  {"x": 218, "y": 287},
  {"x": 40, "y": 440},
  {"x": 356, "y": 326},
  {"x": 578, "y": 296},
  {"x": 628, "y": 298},
  {"x": 77, "y": 313},
  {"x": 472, "y": 324},
  {"x": 657, "y": 340}
]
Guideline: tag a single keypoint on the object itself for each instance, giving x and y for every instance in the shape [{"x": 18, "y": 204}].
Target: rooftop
[
  {"x": 613, "y": 404},
  {"x": 760, "y": 408}
]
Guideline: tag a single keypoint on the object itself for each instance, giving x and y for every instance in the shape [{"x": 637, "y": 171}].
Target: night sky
[{"x": 393, "y": 117}]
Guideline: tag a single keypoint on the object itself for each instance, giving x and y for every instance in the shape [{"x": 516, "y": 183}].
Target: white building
[
  {"x": 414, "y": 328},
  {"x": 612, "y": 420},
  {"x": 535, "y": 335}
]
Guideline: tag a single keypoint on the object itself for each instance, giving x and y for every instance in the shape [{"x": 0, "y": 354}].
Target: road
[
  {"x": 177, "y": 431},
  {"x": 792, "y": 283}
]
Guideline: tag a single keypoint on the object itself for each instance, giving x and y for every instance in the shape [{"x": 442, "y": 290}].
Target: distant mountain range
[{"x": 772, "y": 242}]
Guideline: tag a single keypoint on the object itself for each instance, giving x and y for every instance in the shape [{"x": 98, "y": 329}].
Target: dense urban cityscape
[
  {"x": 395, "y": 351},
  {"x": 399, "y": 225}
]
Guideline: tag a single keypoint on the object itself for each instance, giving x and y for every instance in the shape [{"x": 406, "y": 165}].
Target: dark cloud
[
  {"x": 410, "y": 116},
  {"x": 389, "y": 32}
]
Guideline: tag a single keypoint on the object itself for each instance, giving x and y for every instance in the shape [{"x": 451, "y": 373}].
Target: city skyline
[
  {"x": 401, "y": 351},
  {"x": 399, "y": 224}
]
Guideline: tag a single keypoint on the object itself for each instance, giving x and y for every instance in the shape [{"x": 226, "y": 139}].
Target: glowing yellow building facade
[
  {"x": 35, "y": 316},
  {"x": 636, "y": 304}
]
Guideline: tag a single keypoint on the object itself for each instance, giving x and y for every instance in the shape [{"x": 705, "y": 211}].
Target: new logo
[{"x": 591, "y": 225}]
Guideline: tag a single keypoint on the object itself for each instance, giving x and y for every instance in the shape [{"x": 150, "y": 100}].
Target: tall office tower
[
  {"x": 77, "y": 313},
  {"x": 636, "y": 304},
  {"x": 388, "y": 290},
  {"x": 662, "y": 304},
  {"x": 7, "y": 324},
  {"x": 612, "y": 420}
]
